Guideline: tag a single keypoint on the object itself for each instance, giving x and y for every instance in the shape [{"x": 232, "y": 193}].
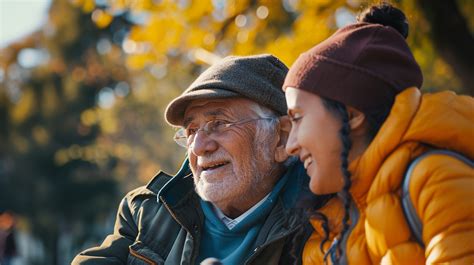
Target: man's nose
[{"x": 203, "y": 144}]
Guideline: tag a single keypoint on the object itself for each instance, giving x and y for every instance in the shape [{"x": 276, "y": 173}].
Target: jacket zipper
[
  {"x": 259, "y": 248},
  {"x": 141, "y": 257},
  {"x": 174, "y": 216},
  {"x": 177, "y": 220}
]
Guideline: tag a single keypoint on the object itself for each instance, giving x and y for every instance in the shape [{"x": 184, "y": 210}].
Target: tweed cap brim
[
  {"x": 177, "y": 107},
  {"x": 257, "y": 77}
]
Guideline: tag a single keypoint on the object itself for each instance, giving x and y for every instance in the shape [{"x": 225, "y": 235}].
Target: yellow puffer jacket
[{"x": 441, "y": 187}]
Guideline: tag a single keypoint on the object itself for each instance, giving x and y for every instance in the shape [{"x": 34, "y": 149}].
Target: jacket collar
[
  {"x": 179, "y": 196},
  {"x": 389, "y": 137},
  {"x": 439, "y": 120},
  {"x": 182, "y": 183},
  {"x": 178, "y": 185}
]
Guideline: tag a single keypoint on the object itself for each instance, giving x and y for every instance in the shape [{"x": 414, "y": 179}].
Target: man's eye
[
  {"x": 190, "y": 131},
  {"x": 216, "y": 125}
]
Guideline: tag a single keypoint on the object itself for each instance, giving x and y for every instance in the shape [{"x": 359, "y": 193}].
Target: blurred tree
[
  {"x": 52, "y": 171},
  {"x": 451, "y": 33},
  {"x": 441, "y": 31}
]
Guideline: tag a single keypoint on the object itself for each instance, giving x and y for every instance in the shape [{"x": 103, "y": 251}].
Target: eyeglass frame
[{"x": 182, "y": 140}]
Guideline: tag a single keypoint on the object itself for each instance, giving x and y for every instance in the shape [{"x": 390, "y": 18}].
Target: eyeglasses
[{"x": 184, "y": 136}]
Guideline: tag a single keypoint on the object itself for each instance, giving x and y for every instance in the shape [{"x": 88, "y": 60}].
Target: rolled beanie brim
[
  {"x": 362, "y": 65},
  {"x": 329, "y": 78}
]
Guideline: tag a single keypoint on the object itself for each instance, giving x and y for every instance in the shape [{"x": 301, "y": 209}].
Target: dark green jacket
[{"x": 167, "y": 230}]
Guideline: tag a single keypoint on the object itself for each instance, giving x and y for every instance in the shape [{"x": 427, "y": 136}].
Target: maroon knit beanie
[{"x": 362, "y": 65}]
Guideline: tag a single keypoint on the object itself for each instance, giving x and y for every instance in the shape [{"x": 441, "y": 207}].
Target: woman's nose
[{"x": 292, "y": 147}]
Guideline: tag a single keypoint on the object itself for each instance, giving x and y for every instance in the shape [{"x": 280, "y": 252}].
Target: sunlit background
[
  {"x": 21, "y": 17},
  {"x": 84, "y": 85}
]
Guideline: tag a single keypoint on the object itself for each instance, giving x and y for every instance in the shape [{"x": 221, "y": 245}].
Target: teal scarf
[{"x": 236, "y": 245}]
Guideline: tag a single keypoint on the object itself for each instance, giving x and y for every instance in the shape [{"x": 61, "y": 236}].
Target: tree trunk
[{"x": 452, "y": 38}]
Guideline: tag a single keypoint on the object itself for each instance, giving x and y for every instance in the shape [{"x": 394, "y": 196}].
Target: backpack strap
[{"x": 414, "y": 222}]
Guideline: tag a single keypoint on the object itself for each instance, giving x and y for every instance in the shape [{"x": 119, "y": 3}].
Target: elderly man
[{"x": 237, "y": 202}]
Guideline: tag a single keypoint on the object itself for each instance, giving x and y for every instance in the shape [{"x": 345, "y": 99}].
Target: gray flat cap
[{"x": 258, "y": 77}]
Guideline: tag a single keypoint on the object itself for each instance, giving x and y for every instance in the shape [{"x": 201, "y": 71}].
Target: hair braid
[
  {"x": 325, "y": 226},
  {"x": 309, "y": 203},
  {"x": 292, "y": 254},
  {"x": 340, "y": 110},
  {"x": 346, "y": 197}
]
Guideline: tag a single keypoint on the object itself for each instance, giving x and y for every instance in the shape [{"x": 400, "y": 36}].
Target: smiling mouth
[{"x": 214, "y": 166}]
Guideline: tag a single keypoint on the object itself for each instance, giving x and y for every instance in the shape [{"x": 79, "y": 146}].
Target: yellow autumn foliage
[
  {"x": 284, "y": 28},
  {"x": 171, "y": 37},
  {"x": 24, "y": 108},
  {"x": 101, "y": 19}
]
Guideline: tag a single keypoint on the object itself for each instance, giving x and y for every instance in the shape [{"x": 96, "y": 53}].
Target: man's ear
[
  {"x": 284, "y": 130},
  {"x": 357, "y": 121}
]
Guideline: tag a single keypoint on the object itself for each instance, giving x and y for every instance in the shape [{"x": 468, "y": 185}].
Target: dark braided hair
[
  {"x": 315, "y": 202},
  {"x": 309, "y": 203},
  {"x": 375, "y": 119},
  {"x": 292, "y": 250},
  {"x": 325, "y": 226},
  {"x": 340, "y": 111}
]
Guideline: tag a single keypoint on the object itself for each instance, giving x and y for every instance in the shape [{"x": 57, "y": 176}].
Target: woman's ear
[
  {"x": 357, "y": 120},
  {"x": 284, "y": 130}
]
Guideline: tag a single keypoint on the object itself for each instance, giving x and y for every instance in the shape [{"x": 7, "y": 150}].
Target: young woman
[{"x": 363, "y": 130}]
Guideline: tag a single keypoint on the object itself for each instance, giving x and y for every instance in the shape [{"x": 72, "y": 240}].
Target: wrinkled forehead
[{"x": 218, "y": 108}]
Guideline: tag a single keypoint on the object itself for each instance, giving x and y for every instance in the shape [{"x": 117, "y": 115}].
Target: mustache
[{"x": 209, "y": 158}]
